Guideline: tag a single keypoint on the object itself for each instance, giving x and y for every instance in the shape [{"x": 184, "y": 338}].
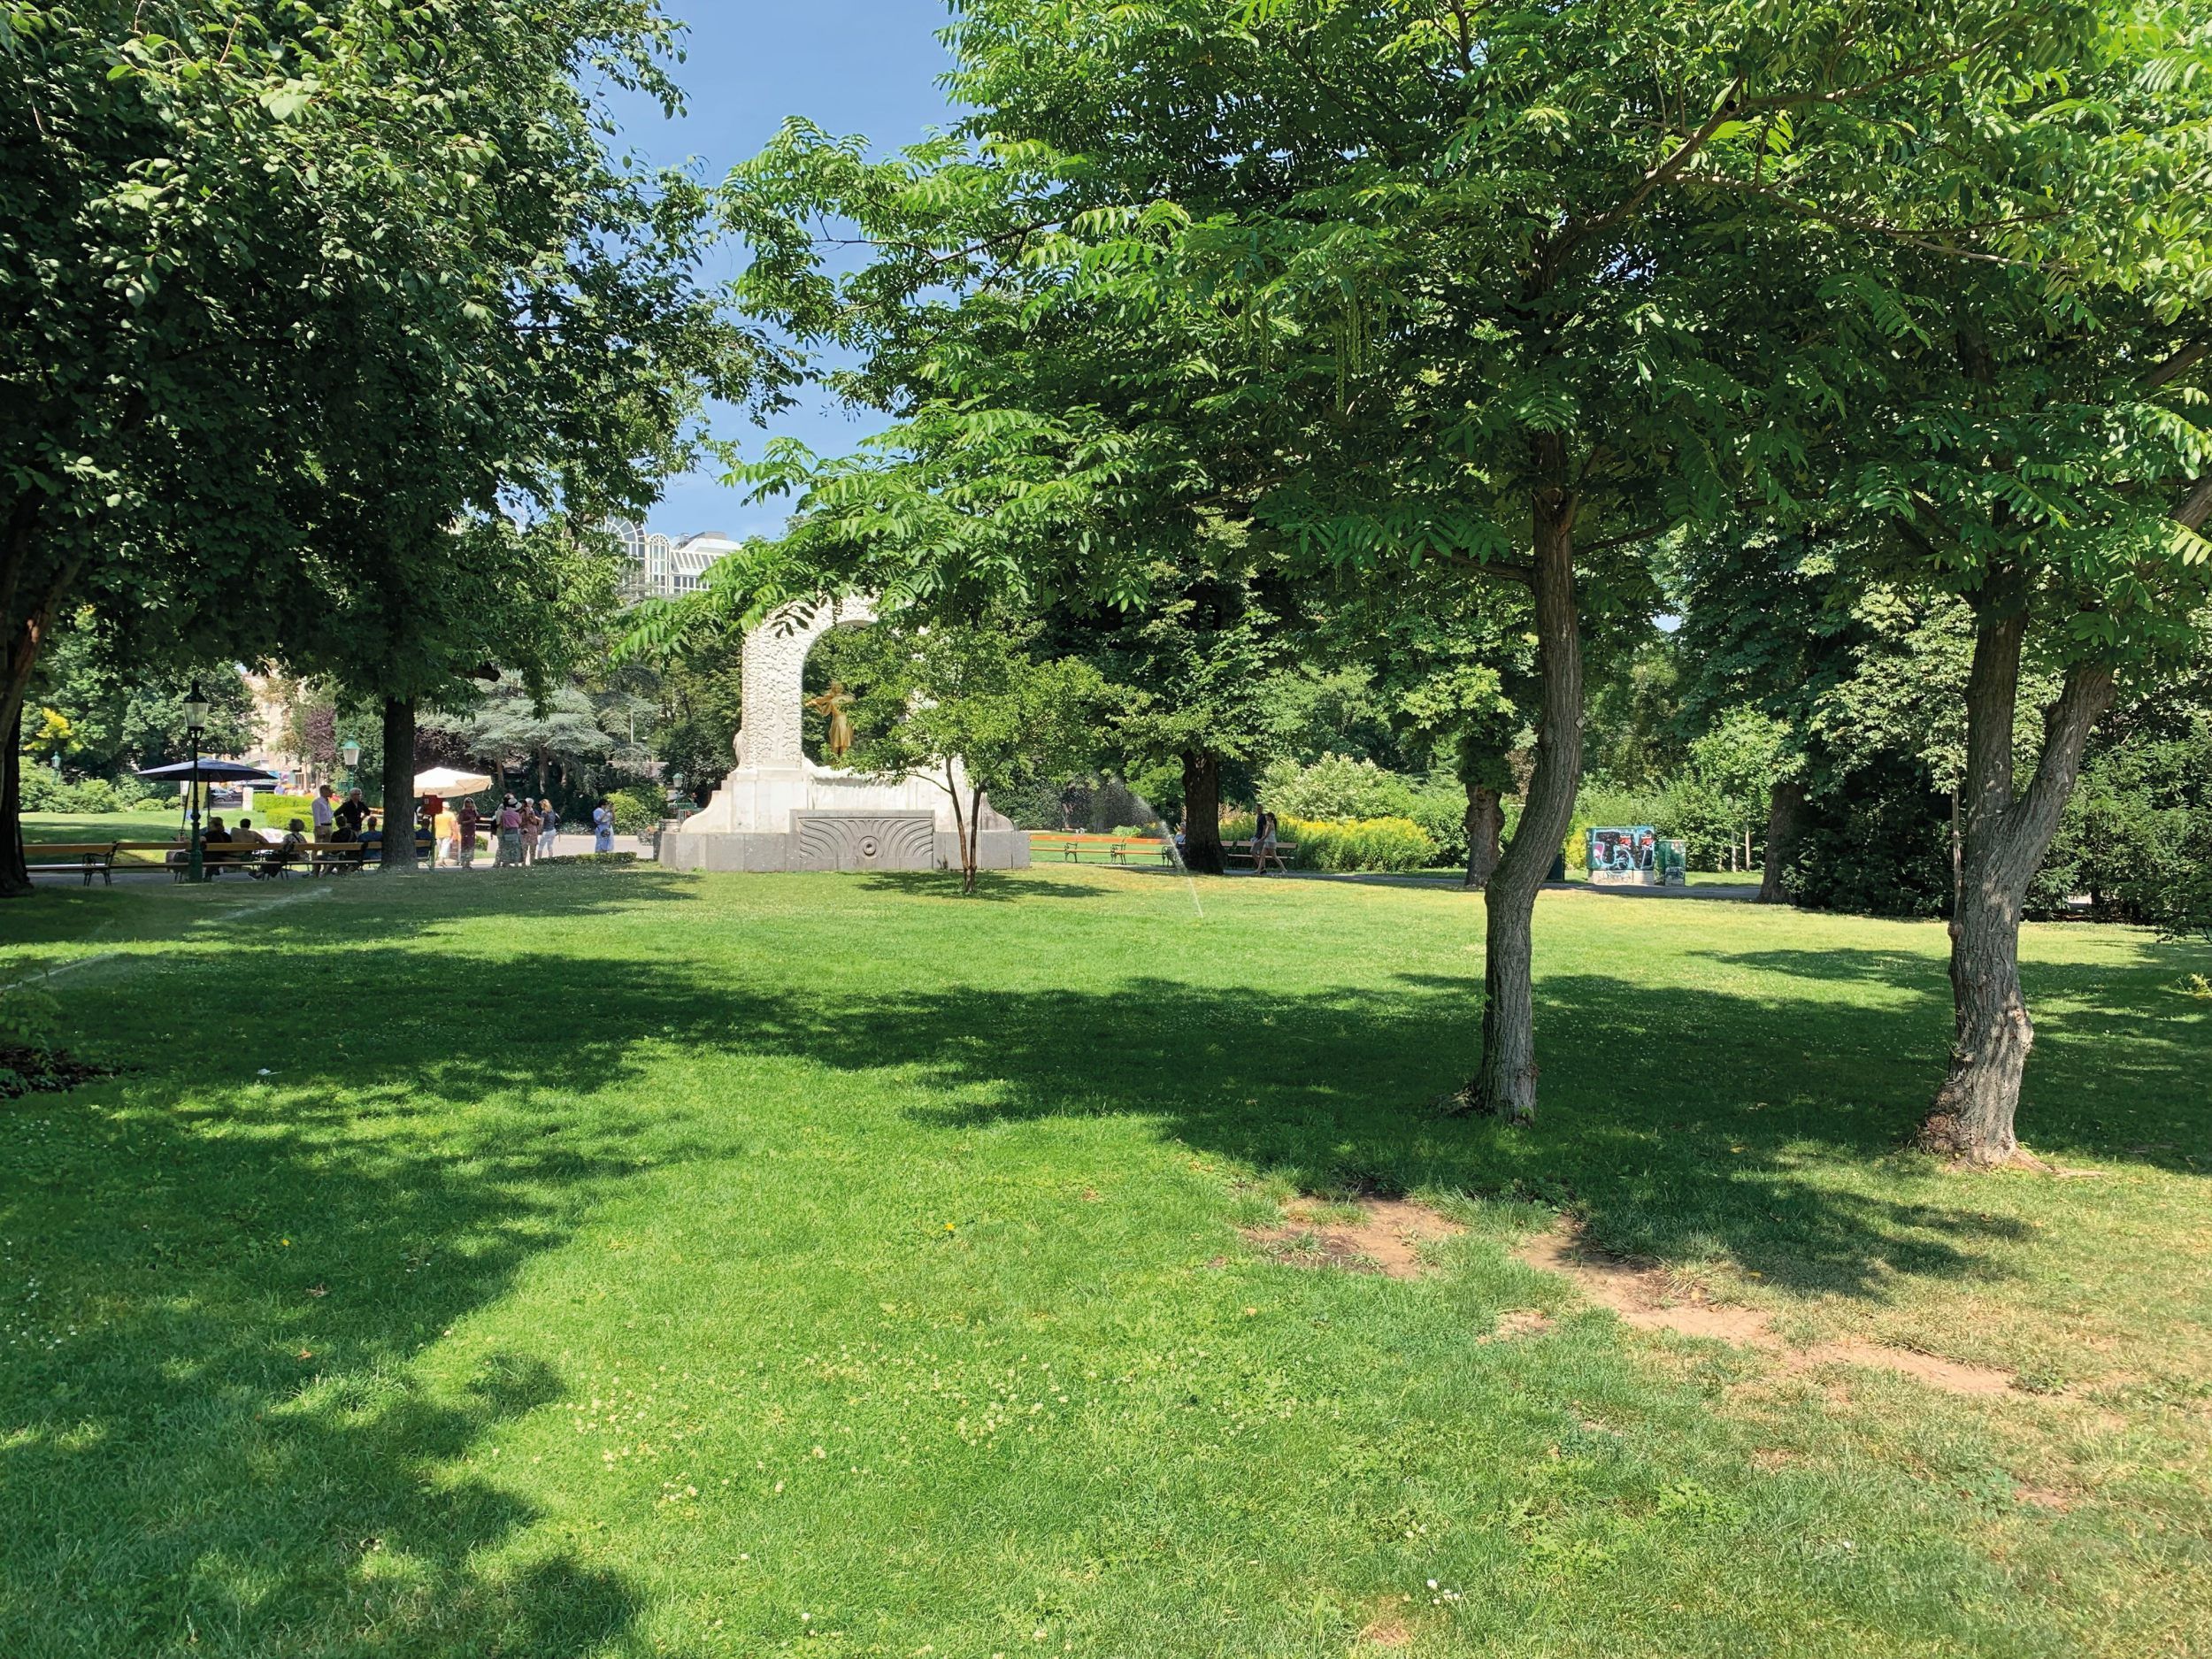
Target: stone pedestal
[{"x": 778, "y": 811}]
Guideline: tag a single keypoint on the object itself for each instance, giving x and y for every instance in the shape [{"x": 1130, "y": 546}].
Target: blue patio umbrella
[{"x": 211, "y": 772}]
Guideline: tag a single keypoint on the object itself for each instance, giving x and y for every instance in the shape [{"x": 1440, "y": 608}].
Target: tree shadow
[
  {"x": 175, "y": 1469},
  {"x": 218, "y": 1435},
  {"x": 992, "y": 887}
]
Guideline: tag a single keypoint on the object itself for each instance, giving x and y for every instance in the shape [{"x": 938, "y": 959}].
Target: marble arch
[{"x": 780, "y": 810}]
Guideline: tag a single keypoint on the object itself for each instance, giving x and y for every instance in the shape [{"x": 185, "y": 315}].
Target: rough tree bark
[
  {"x": 15, "y": 869},
  {"x": 1485, "y": 824},
  {"x": 1504, "y": 1084},
  {"x": 1201, "y": 812},
  {"x": 399, "y": 785},
  {"x": 2004, "y": 840},
  {"x": 1786, "y": 824},
  {"x": 24, "y": 613}
]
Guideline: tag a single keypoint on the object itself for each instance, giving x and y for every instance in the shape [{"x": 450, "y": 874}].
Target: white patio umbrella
[{"x": 445, "y": 780}]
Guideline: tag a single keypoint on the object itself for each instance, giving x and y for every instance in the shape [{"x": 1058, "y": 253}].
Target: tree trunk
[
  {"x": 959, "y": 825},
  {"x": 399, "y": 785},
  {"x": 1504, "y": 1084},
  {"x": 1786, "y": 823},
  {"x": 22, "y": 634},
  {"x": 2003, "y": 842},
  {"x": 15, "y": 870},
  {"x": 972, "y": 854},
  {"x": 1486, "y": 823},
  {"x": 1201, "y": 812}
]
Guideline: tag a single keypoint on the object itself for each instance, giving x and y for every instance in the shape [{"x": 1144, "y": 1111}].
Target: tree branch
[
  {"x": 2066, "y": 725},
  {"x": 2196, "y": 505},
  {"x": 2183, "y": 360}
]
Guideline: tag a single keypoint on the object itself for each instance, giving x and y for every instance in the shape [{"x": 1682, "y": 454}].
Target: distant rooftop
[{"x": 659, "y": 566}]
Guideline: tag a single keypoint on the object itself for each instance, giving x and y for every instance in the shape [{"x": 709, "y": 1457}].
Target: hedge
[{"x": 1363, "y": 844}]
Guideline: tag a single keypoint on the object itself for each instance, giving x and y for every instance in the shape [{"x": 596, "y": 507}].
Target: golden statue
[{"x": 832, "y": 705}]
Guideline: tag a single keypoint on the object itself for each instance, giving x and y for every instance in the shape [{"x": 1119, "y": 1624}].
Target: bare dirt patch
[
  {"x": 1518, "y": 1322},
  {"x": 1388, "y": 1239},
  {"x": 1648, "y": 1299},
  {"x": 1386, "y": 1632}
]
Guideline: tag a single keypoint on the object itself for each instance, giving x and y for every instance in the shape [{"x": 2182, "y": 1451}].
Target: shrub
[
  {"x": 1335, "y": 787},
  {"x": 1440, "y": 809},
  {"x": 1877, "y": 841},
  {"x": 43, "y": 792},
  {"x": 29, "y": 1016},
  {"x": 274, "y": 811},
  {"x": 1366, "y": 844},
  {"x": 636, "y": 812}
]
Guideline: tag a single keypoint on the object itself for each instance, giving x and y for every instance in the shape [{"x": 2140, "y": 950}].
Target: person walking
[
  {"x": 1265, "y": 833},
  {"x": 548, "y": 826},
  {"x": 530, "y": 824},
  {"x": 467, "y": 821},
  {"x": 446, "y": 831},
  {"x": 602, "y": 827},
  {"x": 508, "y": 824}
]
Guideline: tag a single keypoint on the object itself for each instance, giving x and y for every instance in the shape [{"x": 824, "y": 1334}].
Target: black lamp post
[{"x": 195, "y": 723}]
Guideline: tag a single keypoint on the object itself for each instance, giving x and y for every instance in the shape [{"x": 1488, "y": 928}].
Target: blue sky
[{"x": 867, "y": 66}]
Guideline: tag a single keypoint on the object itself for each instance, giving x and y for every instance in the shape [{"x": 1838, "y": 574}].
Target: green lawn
[
  {"x": 601, "y": 1261},
  {"x": 100, "y": 826}
]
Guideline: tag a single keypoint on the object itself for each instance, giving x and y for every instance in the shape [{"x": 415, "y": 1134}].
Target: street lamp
[
  {"x": 195, "y": 723},
  {"x": 349, "y": 752}
]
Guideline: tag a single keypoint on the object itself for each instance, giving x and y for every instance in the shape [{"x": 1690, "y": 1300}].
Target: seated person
[
  {"x": 245, "y": 835},
  {"x": 294, "y": 846}
]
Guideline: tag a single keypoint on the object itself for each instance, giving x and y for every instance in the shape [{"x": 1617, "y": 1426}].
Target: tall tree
[
  {"x": 308, "y": 304},
  {"x": 1468, "y": 284},
  {"x": 191, "y": 197}
]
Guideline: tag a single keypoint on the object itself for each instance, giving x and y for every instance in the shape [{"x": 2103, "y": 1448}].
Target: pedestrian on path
[
  {"x": 466, "y": 820},
  {"x": 447, "y": 829},
  {"x": 1265, "y": 833},
  {"x": 602, "y": 827},
  {"x": 530, "y": 824},
  {"x": 548, "y": 826},
  {"x": 508, "y": 824}
]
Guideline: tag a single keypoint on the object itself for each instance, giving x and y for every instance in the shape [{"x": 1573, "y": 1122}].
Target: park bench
[
  {"x": 242, "y": 859},
  {"x": 85, "y": 858},
  {"x": 1074, "y": 847}
]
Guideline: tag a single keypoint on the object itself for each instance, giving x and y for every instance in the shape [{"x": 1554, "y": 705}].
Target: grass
[
  {"x": 100, "y": 826},
  {"x": 607, "y": 1262}
]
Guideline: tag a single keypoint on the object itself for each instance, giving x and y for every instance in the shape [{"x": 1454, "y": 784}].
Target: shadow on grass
[
  {"x": 176, "y": 1471},
  {"x": 990, "y": 885},
  {"x": 214, "y": 1439}
]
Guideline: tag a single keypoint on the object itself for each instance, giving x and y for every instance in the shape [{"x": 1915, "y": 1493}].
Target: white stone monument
[{"x": 778, "y": 811}]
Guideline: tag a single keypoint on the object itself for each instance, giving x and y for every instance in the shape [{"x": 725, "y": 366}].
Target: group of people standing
[{"x": 521, "y": 831}]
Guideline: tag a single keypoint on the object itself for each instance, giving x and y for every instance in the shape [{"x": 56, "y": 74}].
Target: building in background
[{"x": 655, "y": 566}]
